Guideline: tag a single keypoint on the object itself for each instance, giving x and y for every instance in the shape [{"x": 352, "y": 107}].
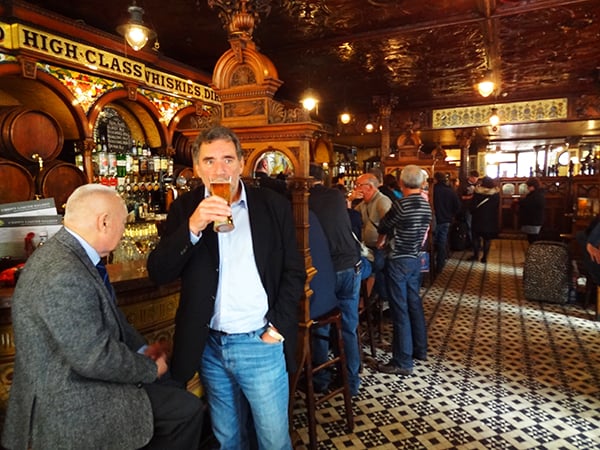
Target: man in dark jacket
[
  {"x": 485, "y": 209},
  {"x": 466, "y": 191},
  {"x": 446, "y": 205},
  {"x": 237, "y": 319},
  {"x": 531, "y": 210},
  {"x": 330, "y": 207}
]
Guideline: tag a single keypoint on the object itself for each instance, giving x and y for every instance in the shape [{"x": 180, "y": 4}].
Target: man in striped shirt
[{"x": 402, "y": 232}]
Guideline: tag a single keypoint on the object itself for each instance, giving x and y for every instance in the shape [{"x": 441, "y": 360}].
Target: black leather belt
[{"x": 220, "y": 333}]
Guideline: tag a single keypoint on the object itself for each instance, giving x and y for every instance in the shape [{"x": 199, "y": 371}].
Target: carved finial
[{"x": 239, "y": 17}]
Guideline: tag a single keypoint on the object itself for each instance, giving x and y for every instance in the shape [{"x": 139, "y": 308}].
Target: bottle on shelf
[
  {"x": 143, "y": 160},
  {"x": 103, "y": 158},
  {"x": 150, "y": 158},
  {"x": 121, "y": 166}
]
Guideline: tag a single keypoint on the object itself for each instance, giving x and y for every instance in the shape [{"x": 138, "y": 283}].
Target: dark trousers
[
  {"x": 487, "y": 242},
  {"x": 440, "y": 244},
  {"x": 178, "y": 416}
]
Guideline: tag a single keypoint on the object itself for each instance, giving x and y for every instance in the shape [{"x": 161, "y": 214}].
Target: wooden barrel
[
  {"x": 25, "y": 132},
  {"x": 58, "y": 179},
  {"x": 183, "y": 150},
  {"x": 16, "y": 183},
  {"x": 180, "y": 170}
]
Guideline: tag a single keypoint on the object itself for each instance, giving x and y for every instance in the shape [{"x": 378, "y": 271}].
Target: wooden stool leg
[
  {"x": 379, "y": 308},
  {"x": 597, "y": 303},
  {"x": 333, "y": 318},
  {"x": 311, "y": 404},
  {"x": 345, "y": 381}
]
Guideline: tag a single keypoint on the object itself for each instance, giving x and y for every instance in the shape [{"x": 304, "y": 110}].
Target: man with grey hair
[
  {"x": 373, "y": 207},
  {"x": 402, "y": 232},
  {"x": 237, "y": 319}
]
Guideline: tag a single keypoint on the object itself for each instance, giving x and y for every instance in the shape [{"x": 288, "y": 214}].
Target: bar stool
[
  {"x": 597, "y": 303},
  {"x": 307, "y": 371}
]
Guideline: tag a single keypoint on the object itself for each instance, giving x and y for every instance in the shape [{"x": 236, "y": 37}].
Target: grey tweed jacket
[{"x": 78, "y": 376}]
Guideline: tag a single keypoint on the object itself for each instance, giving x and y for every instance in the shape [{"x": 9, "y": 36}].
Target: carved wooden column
[
  {"x": 88, "y": 146},
  {"x": 385, "y": 105},
  {"x": 463, "y": 138}
]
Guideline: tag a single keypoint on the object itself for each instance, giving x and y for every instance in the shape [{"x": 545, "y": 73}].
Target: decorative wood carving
[{"x": 28, "y": 67}]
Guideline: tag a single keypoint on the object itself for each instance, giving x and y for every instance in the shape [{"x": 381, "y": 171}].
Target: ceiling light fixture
[
  {"x": 345, "y": 118},
  {"x": 486, "y": 86},
  {"x": 494, "y": 118},
  {"x": 310, "y": 100},
  {"x": 135, "y": 32}
]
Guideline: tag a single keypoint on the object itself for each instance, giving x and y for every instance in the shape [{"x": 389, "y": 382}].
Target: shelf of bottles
[
  {"x": 142, "y": 177},
  {"x": 590, "y": 163},
  {"x": 346, "y": 167}
]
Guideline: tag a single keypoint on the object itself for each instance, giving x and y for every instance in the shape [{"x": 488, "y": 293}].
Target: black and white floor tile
[{"x": 502, "y": 372}]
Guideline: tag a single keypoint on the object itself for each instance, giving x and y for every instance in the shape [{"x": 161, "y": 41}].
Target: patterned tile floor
[{"x": 502, "y": 372}]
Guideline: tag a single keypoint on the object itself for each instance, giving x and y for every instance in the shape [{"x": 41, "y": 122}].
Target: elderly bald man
[{"x": 84, "y": 377}]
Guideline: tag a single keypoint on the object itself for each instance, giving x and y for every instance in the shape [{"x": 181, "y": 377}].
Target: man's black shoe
[{"x": 393, "y": 369}]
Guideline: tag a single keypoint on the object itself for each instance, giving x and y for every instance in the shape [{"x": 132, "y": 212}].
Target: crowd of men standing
[{"x": 84, "y": 377}]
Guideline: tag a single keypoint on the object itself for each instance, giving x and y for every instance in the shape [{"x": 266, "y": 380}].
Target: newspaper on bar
[
  {"x": 19, "y": 219},
  {"x": 43, "y": 207}
]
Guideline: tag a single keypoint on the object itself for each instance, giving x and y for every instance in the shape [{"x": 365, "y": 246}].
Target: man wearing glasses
[{"x": 373, "y": 207}]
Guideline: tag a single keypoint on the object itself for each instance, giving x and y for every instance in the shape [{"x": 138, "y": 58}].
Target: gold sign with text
[{"x": 18, "y": 36}]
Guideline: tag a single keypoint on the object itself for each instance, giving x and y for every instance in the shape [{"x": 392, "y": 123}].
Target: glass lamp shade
[
  {"x": 135, "y": 32},
  {"x": 309, "y": 103},
  {"x": 494, "y": 118},
  {"x": 136, "y": 36},
  {"x": 485, "y": 88},
  {"x": 345, "y": 118},
  {"x": 309, "y": 100}
]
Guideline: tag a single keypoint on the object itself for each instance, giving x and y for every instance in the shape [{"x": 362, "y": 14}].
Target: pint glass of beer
[{"x": 221, "y": 186}]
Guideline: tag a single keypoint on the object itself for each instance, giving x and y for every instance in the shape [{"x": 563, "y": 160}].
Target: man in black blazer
[{"x": 238, "y": 311}]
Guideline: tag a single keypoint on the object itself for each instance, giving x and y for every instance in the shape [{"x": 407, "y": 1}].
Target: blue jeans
[
  {"x": 440, "y": 241},
  {"x": 379, "y": 271},
  {"x": 241, "y": 374},
  {"x": 403, "y": 277},
  {"x": 347, "y": 291}
]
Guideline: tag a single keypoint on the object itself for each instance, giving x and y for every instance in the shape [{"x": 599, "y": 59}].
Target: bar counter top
[
  {"x": 130, "y": 281},
  {"x": 149, "y": 307}
]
